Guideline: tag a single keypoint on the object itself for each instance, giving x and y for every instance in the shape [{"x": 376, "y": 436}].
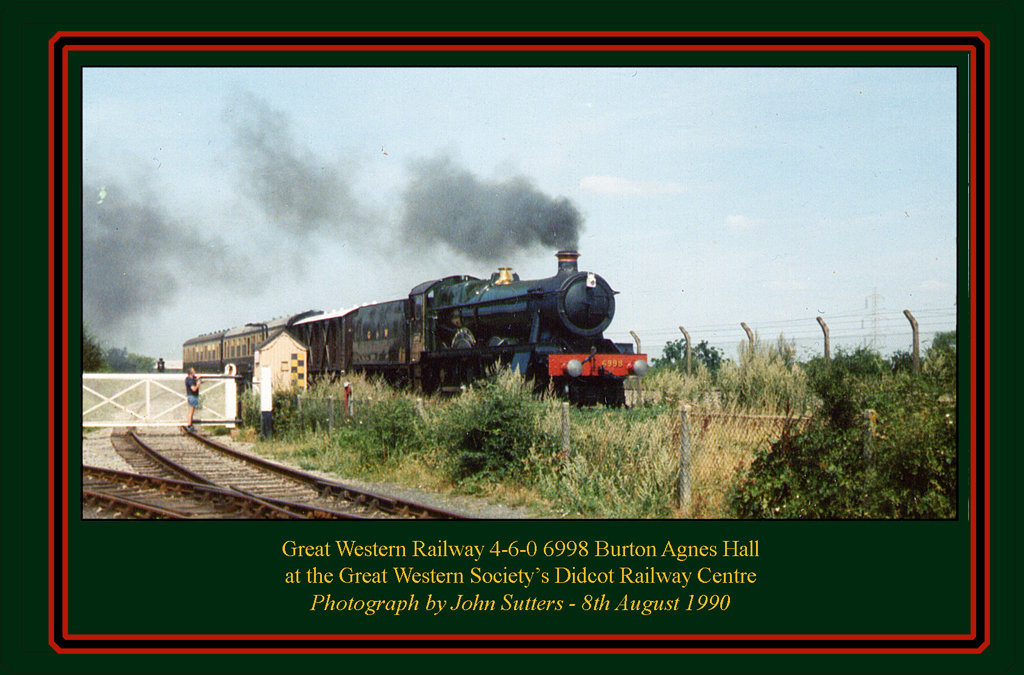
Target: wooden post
[
  {"x": 330, "y": 412},
  {"x": 824, "y": 329},
  {"x": 638, "y": 381},
  {"x": 687, "y": 336},
  {"x": 685, "y": 457},
  {"x": 917, "y": 340},
  {"x": 750, "y": 336}
]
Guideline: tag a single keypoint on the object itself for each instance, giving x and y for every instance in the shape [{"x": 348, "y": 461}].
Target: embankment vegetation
[{"x": 500, "y": 440}]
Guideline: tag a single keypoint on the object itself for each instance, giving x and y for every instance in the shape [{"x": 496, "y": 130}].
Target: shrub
[
  {"x": 490, "y": 429},
  {"x": 389, "y": 427},
  {"x": 766, "y": 378},
  {"x": 901, "y": 465}
]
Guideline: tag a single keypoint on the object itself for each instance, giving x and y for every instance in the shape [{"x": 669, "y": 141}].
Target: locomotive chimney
[{"x": 567, "y": 262}]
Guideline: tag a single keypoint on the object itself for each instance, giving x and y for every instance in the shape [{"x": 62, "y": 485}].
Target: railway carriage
[{"x": 214, "y": 352}]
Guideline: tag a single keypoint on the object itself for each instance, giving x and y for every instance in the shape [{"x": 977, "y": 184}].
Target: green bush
[
  {"x": 250, "y": 406},
  {"x": 885, "y": 446},
  {"x": 389, "y": 427},
  {"x": 673, "y": 357},
  {"x": 490, "y": 429}
]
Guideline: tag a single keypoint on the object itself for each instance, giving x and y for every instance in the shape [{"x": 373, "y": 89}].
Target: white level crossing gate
[{"x": 155, "y": 400}]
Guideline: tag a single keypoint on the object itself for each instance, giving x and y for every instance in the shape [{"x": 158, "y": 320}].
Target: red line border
[{"x": 66, "y": 643}]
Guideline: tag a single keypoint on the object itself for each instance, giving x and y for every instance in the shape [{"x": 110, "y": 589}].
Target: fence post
[
  {"x": 750, "y": 336},
  {"x": 824, "y": 329},
  {"x": 330, "y": 412},
  {"x": 685, "y": 457},
  {"x": 917, "y": 340},
  {"x": 419, "y": 406},
  {"x": 687, "y": 336},
  {"x": 565, "y": 427},
  {"x": 638, "y": 381}
]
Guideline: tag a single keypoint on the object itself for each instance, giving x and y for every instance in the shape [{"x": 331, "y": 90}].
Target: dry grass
[
  {"x": 723, "y": 445},
  {"x": 620, "y": 463}
]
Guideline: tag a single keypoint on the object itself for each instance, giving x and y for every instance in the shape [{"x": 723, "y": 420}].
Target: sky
[{"x": 706, "y": 197}]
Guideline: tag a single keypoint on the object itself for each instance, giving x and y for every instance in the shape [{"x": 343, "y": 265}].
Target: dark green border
[{"x": 25, "y": 30}]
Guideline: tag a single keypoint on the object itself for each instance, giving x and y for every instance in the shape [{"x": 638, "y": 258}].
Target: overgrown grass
[
  {"x": 618, "y": 464},
  {"x": 500, "y": 440},
  {"x": 766, "y": 379}
]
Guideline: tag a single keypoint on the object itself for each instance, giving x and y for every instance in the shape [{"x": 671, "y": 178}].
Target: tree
[
  {"x": 710, "y": 356},
  {"x": 123, "y": 361},
  {"x": 674, "y": 356},
  {"x": 940, "y": 359},
  {"x": 943, "y": 343},
  {"x": 92, "y": 353}
]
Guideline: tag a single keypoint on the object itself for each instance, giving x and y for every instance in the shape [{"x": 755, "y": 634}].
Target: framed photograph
[{"x": 624, "y": 344}]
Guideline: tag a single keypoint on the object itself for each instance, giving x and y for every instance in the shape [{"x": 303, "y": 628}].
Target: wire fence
[
  {"x": 885, "y": 330},
  {"x": 711, "y": 448},
  {"x": 715, "y": 448}
]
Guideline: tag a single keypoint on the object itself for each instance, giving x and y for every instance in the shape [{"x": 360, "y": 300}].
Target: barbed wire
[{"x": 881, "y": 329}]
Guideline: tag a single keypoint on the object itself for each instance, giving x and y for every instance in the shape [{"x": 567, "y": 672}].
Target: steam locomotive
[{"x": 449, "y": 331}]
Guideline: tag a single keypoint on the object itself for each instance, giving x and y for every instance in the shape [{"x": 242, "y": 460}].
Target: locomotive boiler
[{"x": 448, "y": 332}]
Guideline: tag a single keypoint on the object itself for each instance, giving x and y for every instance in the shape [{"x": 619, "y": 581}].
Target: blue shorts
[{"x": 193, "y": 401}]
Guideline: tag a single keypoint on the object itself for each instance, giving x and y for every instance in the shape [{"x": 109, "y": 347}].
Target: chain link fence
[
  {"x": 715, "y": 447},
  {"x": 710, "y": 447}
]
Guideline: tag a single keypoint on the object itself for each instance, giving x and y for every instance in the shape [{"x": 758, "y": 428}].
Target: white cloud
[{"x": 612, "y": 185}]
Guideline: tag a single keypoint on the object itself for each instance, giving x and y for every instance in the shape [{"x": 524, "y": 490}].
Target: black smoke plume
[
  {"x": 136, "y": 258},
  {"x": 298, "y": 192},
  {"x": 445, "y": 204}
]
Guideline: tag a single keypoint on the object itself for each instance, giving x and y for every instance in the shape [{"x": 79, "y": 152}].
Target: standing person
[{"x": 192, "y": 394}]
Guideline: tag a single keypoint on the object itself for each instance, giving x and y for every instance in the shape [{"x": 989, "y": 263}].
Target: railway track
[
  {"x": 130, "y": 495},
  {"x": 271, "y": 489}
]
